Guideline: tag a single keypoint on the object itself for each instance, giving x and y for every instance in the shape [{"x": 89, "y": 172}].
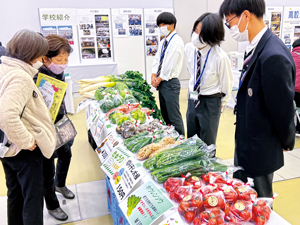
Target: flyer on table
[
  {"x": 113, "y": 163},
  {"x": 145, "y": 205},
  {"x": 110, "y": 143},
  {"x": 124, "y": 180}
]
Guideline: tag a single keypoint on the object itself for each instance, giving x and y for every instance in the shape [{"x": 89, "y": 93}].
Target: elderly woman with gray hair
[{"x": 27, "y": 124}]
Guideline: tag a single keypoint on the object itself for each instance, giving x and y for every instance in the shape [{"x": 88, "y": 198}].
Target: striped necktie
[
  {"x": 162, "y": 58},
  {"x": 198, "y": 69},
  {"x": 197, "y": 102},
  {"x": 247, "y": 58}
]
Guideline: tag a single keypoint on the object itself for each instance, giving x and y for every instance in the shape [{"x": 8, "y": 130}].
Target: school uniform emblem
[
  {"x": 250, "y": 92},
  {"x": 35, "y": 95}
]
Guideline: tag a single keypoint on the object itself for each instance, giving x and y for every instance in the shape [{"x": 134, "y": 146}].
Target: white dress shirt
[
  {"x": 172, "y": 62},
  {"x": 217, "y": 76},
  {"x": 255, "y": 40}
]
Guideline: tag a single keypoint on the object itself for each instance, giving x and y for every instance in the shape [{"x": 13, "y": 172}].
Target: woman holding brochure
[
  {"x": 27, "y": 124},
  {"x": 54, "y": 64}
]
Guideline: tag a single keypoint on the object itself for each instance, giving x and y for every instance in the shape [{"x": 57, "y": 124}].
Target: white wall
[
  {"x": 20, "y": 14},
  {"x": 186, "y": 13}
]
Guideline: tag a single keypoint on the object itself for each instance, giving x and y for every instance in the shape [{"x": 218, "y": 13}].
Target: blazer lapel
[{"x": 259, "y": 48}]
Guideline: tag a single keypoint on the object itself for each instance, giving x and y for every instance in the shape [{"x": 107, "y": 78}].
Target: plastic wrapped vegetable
[
  {"x": 191, "y": 148},
  {"x": 106, "y": 105},
  {"x": 117, "y": 99},
  {"x": 129, "y": 99},
  {"x": 99, "y": 94},
  {"x": 110, "y": 91},
  {"x": 120, "y": 120},
  {"x": 120, "y": 86},
  {"x": 114, "y": 116},
  {"x": 138, "y": 115}
]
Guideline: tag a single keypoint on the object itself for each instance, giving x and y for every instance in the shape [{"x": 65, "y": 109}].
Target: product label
[
  {"x": 195, "y": 178},
  {"x": 239, "y": 206},
  {"x": 243, "y": 189},
  {"x": 212, "y": 201},
  {"x": 227, "y": 190},
  {"x": 186, "y": 198},
  {"x": 213, "y": 186}
]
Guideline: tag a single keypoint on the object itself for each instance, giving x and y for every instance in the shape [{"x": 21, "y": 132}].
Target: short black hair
[
  {"x": 296, "y": 43},
  {"x": 237, "y": 7},
  {"x": 212, "y": 31},
  {"x": 166, "y": 18}
]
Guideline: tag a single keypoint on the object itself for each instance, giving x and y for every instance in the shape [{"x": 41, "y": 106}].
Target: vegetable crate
[
  {"x": 112, "y": 202},
  {"x": 113, "y": 205}
]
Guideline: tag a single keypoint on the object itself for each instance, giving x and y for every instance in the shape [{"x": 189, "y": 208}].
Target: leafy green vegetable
[
  {"x": 132, "y": 203},
  {"x": 111, "y": 91},
  {"x": 118, "y": 100},
  {"x": 107, "y": 105},
  {"x": 129, "y": 99},
  {"x": 120, "y": 86},
  {"x": 99, "y": 95},
  {"x": 138, "y": 115}
]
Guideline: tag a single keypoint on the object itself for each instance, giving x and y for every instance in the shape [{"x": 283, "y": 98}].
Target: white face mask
[
  {"x": 164, "y": 31},
  {"x": 38, "y": 64},
  {"x": 237, "y": 35},
  {"x": 197, "y": 43}
]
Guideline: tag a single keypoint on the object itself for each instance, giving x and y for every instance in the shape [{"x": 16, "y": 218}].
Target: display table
[{"x": 100, "y": 131}]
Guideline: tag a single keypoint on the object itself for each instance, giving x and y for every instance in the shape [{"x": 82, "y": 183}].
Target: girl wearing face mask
[
  {"x": 211, "y": 78},
  {"x": 27, "y": 124},
  {"x": 54, "y": 64}
]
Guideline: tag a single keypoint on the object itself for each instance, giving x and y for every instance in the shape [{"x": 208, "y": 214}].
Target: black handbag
[{"x": 65, "y": 131}]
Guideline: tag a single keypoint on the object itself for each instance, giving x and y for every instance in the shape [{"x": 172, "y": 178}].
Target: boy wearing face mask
[
  {"x": 211, "y": 78},
  {"x": 166, "y": 68},
  {"x": 54, "y": 64},
  {"x": 264, "y": 110}
]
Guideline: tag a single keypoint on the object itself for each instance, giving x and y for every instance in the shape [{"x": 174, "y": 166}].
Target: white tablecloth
[{"x": 275, "y": 219}]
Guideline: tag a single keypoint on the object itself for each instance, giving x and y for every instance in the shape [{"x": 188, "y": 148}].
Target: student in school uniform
[
  {"x": 166, "y": 69},
  {"x": 211, "y": 79},
  {"x": 264, "y": 110}
]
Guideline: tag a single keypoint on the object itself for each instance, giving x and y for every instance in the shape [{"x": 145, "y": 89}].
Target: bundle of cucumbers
[
  {"x": 195, "y": 167},
  {"x": 192, "y": 156},
  {"x": 139, "y": 141}
]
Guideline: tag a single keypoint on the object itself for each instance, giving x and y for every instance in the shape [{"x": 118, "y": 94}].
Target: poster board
[
  {"x": 152, "y": 36},
  {"x": 128, "y": 44},
  {"x": 94, "y": 32},
  {"x": 53, "y": 92},
  {"x": 291, "y": 25},
  {"x": 63, "y": 22},
  {"x": 273, "y": 19}
]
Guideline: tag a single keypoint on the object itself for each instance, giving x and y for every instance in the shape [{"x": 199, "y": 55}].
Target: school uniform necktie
[
  {"x": 162, "y": 58},
  {"x": 247, "y": 58},
  {"x": 197, "y": 89}
]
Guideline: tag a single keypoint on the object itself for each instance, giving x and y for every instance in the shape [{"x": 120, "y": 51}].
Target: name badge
[{"x": 193, "y": 95}]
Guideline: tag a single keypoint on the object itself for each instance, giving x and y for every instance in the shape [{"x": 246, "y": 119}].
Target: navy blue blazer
[{"x": 265, "y": 112}]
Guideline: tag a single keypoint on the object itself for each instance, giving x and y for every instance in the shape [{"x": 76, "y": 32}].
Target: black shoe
[
  {"x": 58, "y": 214},
  {"x": 66, "y": 192}
]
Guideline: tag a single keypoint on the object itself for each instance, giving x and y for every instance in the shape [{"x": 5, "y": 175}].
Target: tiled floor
[{"x": 86, "y": 179}]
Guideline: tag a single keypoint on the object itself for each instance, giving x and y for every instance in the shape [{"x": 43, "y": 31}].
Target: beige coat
[{"x": 18, "y": 89}]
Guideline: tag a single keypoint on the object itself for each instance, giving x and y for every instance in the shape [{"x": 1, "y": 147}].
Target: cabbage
[{"x": 130, "y": 99}]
